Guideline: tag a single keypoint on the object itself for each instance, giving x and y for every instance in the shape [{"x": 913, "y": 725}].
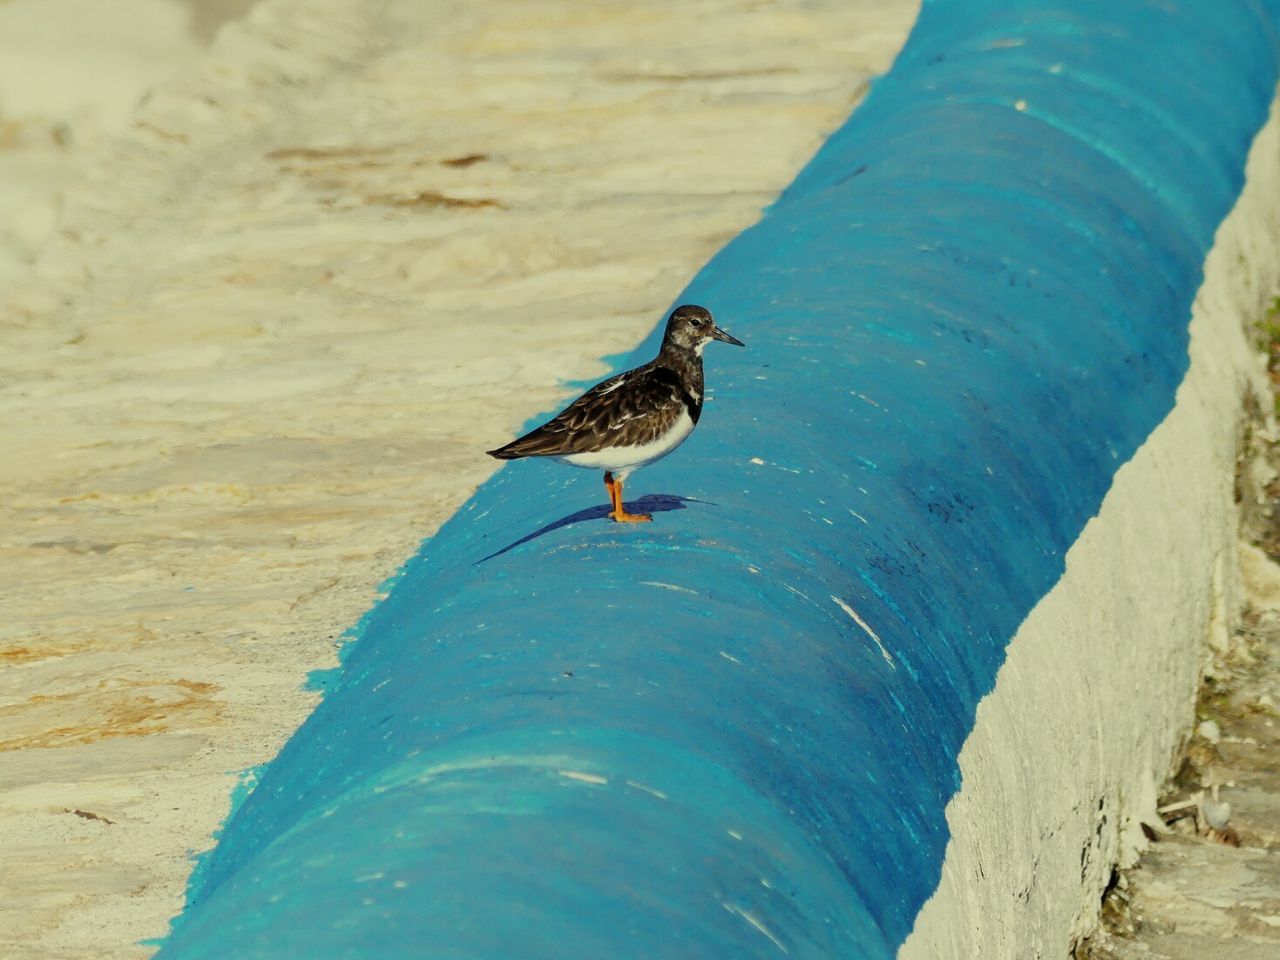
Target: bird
[{"x": 634, "y": 418}]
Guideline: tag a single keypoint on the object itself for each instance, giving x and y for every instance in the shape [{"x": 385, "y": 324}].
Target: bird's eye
[{"x": 696, "y": 321}]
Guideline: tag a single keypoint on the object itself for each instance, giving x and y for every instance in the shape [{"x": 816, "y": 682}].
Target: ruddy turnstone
[{"x": 632, "y": 419}]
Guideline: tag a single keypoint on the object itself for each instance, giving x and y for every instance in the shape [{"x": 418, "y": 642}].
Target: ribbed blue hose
[{"x": 732, "y": 732}]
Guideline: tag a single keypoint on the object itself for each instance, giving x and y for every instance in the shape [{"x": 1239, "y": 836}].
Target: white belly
[{"x": 625, "y": 460}]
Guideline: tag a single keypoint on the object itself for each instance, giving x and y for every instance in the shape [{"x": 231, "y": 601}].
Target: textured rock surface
[{"x": 1198, "y": 892}]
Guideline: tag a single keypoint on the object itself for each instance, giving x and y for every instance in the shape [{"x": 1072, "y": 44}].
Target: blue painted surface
[{"x": 674, "y": 739}]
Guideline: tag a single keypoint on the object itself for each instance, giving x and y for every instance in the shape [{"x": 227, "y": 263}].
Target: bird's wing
[{"x": 628, "y": 409}]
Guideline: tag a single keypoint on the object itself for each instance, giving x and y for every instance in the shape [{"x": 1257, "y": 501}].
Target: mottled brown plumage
[
  {"x": 634, "y": 418},
  {"x": 626, "y": 410}
]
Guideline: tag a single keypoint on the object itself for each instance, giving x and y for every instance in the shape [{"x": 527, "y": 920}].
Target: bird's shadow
[{"x": 649, "y": 503}]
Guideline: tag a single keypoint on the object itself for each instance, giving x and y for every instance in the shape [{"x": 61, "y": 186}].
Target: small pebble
[
  {"x": 1210, "y": 730},
  {"x": 1216, "y": 813}
]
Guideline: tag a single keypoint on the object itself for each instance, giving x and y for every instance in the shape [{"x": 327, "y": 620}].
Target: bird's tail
[
  {"x": 505, "y": 453},
  {"x": 539, "y": 442}
]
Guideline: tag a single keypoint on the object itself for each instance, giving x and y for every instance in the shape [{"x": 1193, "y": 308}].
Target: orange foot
[
  {"x": 623, "y": 517},
  {"x": 619, "y": 512}
]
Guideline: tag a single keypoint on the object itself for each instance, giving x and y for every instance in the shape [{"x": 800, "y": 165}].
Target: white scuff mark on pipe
[
  {"x": 734, "y": 908},
  {"x": 799, "y": 593},
  {"x": 888, "y": 657},
  {"x": 649, "y": 790},
  {"x": 667, "y": 586}
]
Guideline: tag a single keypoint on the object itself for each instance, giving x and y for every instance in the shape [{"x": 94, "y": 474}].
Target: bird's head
[{"x": 691, "y": 327}]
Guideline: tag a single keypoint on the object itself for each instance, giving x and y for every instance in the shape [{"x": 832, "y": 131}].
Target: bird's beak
[{"x": 718, "y": 334}]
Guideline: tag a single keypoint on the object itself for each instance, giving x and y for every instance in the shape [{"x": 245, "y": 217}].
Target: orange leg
[{"x": 619, "y": 512}]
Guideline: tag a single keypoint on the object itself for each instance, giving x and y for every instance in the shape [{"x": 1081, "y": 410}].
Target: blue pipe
[{"x": 733, "y": 732}]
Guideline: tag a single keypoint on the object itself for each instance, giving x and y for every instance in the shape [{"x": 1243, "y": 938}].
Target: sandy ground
[
  {"x": 71, "y": 72},
  {"x": 255, "y": 332}
]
